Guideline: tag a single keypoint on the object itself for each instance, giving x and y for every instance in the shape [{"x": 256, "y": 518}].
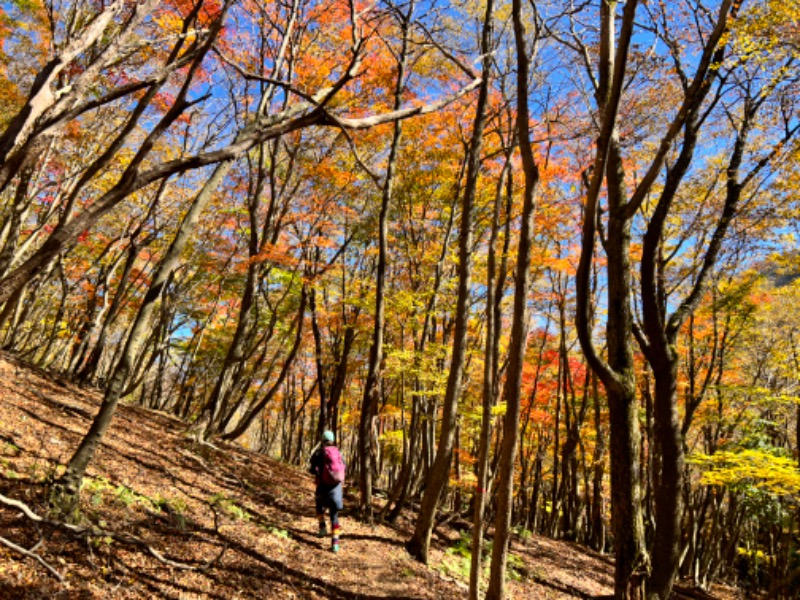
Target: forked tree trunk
[{"x": 617, "y": 373}]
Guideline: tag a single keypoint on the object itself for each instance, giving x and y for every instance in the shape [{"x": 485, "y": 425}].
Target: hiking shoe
[{"x": 322, "y": 532}]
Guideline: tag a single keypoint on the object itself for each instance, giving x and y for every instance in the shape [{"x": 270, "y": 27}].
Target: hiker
[{"x": 327, "y": 466}]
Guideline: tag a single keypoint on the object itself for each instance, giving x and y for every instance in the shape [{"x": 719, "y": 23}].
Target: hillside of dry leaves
[{"x": 165, "y": 516}]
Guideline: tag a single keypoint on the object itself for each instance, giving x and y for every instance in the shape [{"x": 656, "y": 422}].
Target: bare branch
[{"x": 33, "y": 555}]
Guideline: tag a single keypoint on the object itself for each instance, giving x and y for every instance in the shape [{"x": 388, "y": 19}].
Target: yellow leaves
[
  {"x": 467, "y": 482},
  {"x": 499, "y": 409},
  {"x": 764, "y": 470},
  {"x": 755, "y": 554},
  {"x": 169, "y": 21},
  {"x": 768, "y": 29},
  {"x": 392, "y": 445}
]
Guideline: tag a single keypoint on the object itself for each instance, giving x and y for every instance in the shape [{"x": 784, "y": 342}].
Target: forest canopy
[{"x": 535, "y": 264}]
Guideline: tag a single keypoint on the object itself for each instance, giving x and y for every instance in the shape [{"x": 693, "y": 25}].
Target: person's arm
[{"x": 314, "y": 464}]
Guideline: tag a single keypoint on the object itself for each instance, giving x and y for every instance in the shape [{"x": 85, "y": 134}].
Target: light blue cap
[{"x": 328, "y": 436}]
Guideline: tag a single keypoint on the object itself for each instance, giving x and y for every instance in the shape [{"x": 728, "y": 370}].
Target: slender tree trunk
[
  {"x": 598, "y": 529},
  {"x": 627, "y": 517},
  {"x": 519, "y": 328},
  {"x": 258, "y": 406},
  {"x": 369, "y": 406},
  {"x": 89, "y": 369},
  {"x": 796, "y": 360},
  {"x": 422, "y": 428},
  {"x": 322, "y": 384},
  {"x": 66, "y": 490},
  {"x": 490, "y": 388},
  {"x": 439, "y": 473},
  {"x": 268, "y": 231},
  {"x": 512, "y": 394},
  {"x": 12, "y": 226}
]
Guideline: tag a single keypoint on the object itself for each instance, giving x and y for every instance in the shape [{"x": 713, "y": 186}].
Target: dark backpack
[{"x": 332, "y": 466}]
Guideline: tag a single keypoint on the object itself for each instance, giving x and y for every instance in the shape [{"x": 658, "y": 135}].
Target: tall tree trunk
[
  {"x": 490, "y": 384},
  {"x": 627, "y": 516},
  {"x": 519, "y": 329},
  {"x": 617, "y": 374},
  {"x": 367, "y": 444},
  {"x": 419, "y": 543},
  {"x": 598, "y": 529},
  {"x": 322, "y": 383}
]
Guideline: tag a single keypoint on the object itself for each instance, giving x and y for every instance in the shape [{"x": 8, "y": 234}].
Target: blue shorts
[{"x": 328, "y": 497}]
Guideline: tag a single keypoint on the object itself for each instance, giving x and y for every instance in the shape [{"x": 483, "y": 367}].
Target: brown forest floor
[{"x": 152, "y": 481}]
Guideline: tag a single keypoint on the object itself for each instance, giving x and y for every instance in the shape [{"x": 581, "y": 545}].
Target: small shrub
[
  {"x": 99, "y": 488},
  {"x": 229, "y": 507},
  {"x": 515, "y": 568},
  {"x": 8, "y": 471},
  {"x": 524, "y": 534},
  {"x": 170, "y": 505},
  {"x": 126, "y": 496},
  {"x": 100, "y": 541},
  {"x": 281, "y": 533},
  {"x": 11, "y": 449},
  {"x": 457, "y": 560}
]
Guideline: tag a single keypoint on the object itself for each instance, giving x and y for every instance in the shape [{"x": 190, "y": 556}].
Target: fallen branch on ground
[
  {"x": 88, "y": 532},
  {"x": 33, "y": 555}
]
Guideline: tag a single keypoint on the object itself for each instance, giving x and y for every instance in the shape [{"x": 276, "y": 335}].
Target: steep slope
[{"x": 165, "y": 516}]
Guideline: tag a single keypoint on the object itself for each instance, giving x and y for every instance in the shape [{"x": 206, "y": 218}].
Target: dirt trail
[{"x": 244, "y": 523}]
